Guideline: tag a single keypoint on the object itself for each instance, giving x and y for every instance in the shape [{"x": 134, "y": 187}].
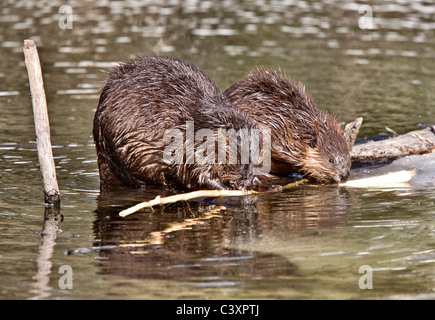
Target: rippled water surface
[{"x": 305, "y": 243}]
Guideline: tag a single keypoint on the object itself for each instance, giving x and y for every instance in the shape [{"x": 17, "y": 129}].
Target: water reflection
[
  {"x": 197, "y": 240},
  {"x": 182, "y": 241},
  {"x": 347, "y": 68},
  {"x": 41, "y": 287}
]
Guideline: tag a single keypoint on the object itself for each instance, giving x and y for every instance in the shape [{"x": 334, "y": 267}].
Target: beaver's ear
[
  {"x": 350, "y": 132},
  {"x": 313, "y": 142}
]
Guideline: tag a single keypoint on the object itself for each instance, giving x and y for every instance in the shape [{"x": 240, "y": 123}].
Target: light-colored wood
[
  {"x": 42, "y": 125},
  {"x": 394, "y": 179},
  {"x": 185, "y": 196},
  {"x": 414, "y": 142}
]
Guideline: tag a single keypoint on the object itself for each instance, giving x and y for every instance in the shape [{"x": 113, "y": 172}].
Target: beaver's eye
[{"x": 331, "y": 160}]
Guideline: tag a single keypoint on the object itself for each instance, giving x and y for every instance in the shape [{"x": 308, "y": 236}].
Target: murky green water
[{"x": 306, "y": 243}]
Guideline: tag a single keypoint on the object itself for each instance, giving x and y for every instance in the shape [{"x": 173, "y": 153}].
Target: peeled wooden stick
[
  {"x": 42, "y": 125},
  {"x": 185, "y": 196},
  {"x": 387, "y": 180},
  {"x": 392, "y": 179}
]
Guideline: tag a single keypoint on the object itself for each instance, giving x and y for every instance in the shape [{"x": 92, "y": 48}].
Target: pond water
[{"x": 309, "y": 242}]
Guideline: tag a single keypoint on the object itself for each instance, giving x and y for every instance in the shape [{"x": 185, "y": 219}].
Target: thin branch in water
[{"x": 185, "y": 196}]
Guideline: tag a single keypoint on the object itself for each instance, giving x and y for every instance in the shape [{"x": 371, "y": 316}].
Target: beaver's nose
[{"x": 345, "y": 175}]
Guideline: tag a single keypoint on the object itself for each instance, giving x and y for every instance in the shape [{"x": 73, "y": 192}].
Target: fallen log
[{"x": 414, "y": 142}]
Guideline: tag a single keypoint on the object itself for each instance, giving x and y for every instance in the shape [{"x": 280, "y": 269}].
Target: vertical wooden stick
[{"x": 42, "y": 125}]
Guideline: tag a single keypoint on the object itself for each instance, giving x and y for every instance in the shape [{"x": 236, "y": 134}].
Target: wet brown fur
[
  {"x": 141, "y": 100},
  {"x": 304, "y": 139}
]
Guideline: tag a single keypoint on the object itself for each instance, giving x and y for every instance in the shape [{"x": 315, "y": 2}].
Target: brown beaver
[
  {"x": 304, "y": 139},
  {"x": 144, "y": 100}
]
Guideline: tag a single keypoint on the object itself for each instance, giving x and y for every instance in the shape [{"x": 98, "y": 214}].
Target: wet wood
[
  {"x": 42, "y": 125},
  {"x": 415, "y": 142},
  {"x": 389, "y": 180},
  {"x": 184, "y": 196}
]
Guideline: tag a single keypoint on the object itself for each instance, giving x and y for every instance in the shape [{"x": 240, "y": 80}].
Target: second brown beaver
[{"x": 305, "y": 139}]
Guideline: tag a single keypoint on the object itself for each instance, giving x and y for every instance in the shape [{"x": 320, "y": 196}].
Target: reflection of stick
[
  {"x": 42, "y": 126},
  {"x": 41, "y": 287},
  {"x": 157, "y": 237},
  {"x": 398, "y": 178},
  {"x": 186, "y": 196}
]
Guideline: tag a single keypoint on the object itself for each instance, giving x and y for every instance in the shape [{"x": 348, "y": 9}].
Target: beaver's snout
[{"x": 344, "y": 176}]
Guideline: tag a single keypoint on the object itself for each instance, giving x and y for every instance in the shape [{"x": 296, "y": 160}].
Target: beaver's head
[{"x": 325, "y": 157}]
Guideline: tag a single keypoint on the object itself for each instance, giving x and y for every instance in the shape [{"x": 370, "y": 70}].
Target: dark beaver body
[
  {"x": 143, "y": 99},
  {"x": 304, "y": 139}
]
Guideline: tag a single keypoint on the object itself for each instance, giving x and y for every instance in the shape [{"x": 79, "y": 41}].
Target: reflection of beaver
[
  {"x": 139, "y": 103},
  {"x": 304, "y": 138}
]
